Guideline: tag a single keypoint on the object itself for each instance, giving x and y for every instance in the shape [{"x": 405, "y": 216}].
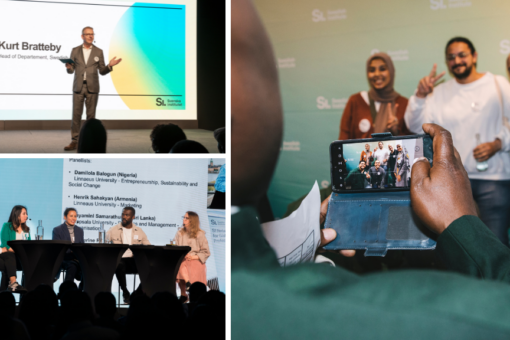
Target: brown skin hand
[
  {"x": 329, "y": 234},
  {"x": 426, "y": 84},
  {"x": 486, "y": 150},
  {"x": 441, "y": 194},
  {"x": 392, "y": 124}
]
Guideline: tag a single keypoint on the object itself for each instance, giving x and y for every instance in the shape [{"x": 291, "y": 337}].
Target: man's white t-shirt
[
  {"x": 126, "y": 239},
  {"x": 381, "y": 155},
  {"x": 466, "y": 110}
]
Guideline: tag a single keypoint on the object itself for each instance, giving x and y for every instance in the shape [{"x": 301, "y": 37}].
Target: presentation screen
[
  {"x": 156, "y": 79},
  {"x": 160, "y": 191}
]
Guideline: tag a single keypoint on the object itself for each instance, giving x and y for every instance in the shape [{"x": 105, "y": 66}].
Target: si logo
[{"x": 160, "y": 102}]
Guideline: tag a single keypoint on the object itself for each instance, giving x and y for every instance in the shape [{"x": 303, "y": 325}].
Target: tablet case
[{"x": 376, "y": 221}]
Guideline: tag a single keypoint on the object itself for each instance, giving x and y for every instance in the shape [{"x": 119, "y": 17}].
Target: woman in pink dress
[{"x": 193, "y": 267}]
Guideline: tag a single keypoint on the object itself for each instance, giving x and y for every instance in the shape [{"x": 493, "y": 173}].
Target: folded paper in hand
[{"x": 296, "y": 237}]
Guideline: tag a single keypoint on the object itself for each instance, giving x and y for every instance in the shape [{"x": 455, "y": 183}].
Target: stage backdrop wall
[
  {"x": 321, "y": 48},
  {"x": 161, "y": 191}
]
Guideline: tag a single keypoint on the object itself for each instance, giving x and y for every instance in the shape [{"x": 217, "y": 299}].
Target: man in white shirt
[
  {"x": 88, "y": 62},
  {"x": 382, "y": 155},
  {"x": 127, "y": 232},
  {"x": 475, "y": 108}
]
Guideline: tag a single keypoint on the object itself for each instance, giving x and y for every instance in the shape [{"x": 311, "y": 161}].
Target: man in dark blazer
[
  {"x": 68, "y": 231},
  {"x": 88, "y": 62}
]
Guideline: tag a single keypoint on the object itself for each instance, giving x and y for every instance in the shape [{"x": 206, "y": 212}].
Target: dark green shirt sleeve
[{"x": 469, "y": 247}]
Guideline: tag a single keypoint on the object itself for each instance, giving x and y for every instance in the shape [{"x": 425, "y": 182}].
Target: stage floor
[{"x": 119, "y": 141}]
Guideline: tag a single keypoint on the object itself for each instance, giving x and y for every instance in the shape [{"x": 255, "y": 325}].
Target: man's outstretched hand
[
  {"x": 114, "y": 61},
  {"x": 329, "y": 234},
  {"x": 441, "y": 194}
]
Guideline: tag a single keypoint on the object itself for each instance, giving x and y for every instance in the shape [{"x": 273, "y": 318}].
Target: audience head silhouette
[
  {"x": 164, "y": 137},
  {"x": 188, "y": 146},
  {"x": 92, "y": 137},
  {"x": 219, "y": 135},
  {"x": 196, "y": 291},
  {"x": 105, "y": 305}
]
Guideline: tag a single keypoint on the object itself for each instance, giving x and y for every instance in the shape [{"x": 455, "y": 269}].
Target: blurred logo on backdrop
[
  {"x": 444, "y": 4},
  {"x": 331, "y": 15},
  {"x": 336, "y": 103},
  {"x": 504, "y": 46},
  {"x": 286, "y": 63},
  {"x": 291, "y": 146}
]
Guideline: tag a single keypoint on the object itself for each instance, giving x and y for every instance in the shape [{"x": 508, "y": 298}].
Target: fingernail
[
  {"x": 419, "y": 159},
  {"x": 329, "y": 233}
]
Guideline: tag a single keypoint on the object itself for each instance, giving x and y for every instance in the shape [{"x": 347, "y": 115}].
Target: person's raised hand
[
  {"x": 441, "y": 194},
  {"x": 392, "y": 124},
  {"x": 114, "y": 61},
  {"x": 486, "y": 150},
  {"x": 426, "y": 84},
  {"x": 69, "y": 66},
  {"x": 329, "y": 234}
]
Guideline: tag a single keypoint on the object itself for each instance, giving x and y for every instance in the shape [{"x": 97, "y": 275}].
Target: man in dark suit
[
  {"x": 88, "y": 62},
  {"x": 68, "y": 231}
]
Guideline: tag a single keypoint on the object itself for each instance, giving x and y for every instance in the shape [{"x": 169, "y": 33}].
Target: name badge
[
  {"x": 378, "y": 173},
  {"x": 394, "y": 156},
  {"x": 136, "y": 237}
]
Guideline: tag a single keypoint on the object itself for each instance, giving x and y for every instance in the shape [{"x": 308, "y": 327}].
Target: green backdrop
[{"x": 321, "y": 48}]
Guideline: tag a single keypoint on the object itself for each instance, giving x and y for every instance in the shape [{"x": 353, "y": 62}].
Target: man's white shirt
[
  {"x": 466, "y": 110},
  {"x": 381, "y": 155},
  {"x": 86, "y": 55},
  {"x": 126, "y": 239}
]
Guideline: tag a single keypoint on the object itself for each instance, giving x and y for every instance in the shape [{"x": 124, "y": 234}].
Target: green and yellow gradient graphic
[{"x": 150, "y": 39}]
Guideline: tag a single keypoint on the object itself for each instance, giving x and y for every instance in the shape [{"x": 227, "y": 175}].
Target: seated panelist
[
  {"x": 127, "y": 232},
  {"x": 15, "y": 229},
  {"x": 69, "y": 231},
  {"x": 193, "y": 267}
]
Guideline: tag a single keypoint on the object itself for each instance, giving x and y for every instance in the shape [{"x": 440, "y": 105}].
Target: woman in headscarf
[{"x": 381, "y": 109}]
